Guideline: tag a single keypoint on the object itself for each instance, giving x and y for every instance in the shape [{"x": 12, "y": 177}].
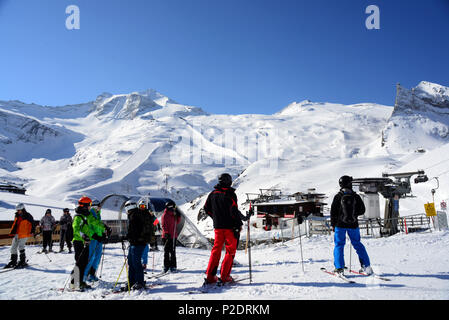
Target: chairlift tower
[{"x": 392, "y": 186}]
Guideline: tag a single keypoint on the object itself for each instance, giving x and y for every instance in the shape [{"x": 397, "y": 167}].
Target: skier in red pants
[{"x": 221, "y": 205}]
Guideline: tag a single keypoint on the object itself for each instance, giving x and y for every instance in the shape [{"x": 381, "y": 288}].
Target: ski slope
[{"x": 415, "y": 263}]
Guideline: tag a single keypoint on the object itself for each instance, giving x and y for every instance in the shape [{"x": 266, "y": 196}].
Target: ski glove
[{"x": 202, "y": 215}]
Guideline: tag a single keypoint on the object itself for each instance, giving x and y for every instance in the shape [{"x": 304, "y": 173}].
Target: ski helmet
[
  {"x": 20, "y": 206},
  {"x": 48, "y": 211},
  {"x": 345, "y": 182},
  {"x": 84, "y": 201},
  {"x": 129, "y": 205},
  {"x": 95, "y": 203},
  {"x": 142, "y": 204},
  {"x": 66, "y": 210},
  {"x": 225, "y": 180},
  {"x": 170, "y": 204}
]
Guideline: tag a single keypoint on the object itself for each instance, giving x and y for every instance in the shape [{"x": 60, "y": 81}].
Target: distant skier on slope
[
  {"x": 22, "y": 228},
  {"x": 345, "y": 209},
  {"x": 221, "y": 205}
]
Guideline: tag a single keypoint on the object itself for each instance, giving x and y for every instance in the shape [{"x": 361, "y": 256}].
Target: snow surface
[{"x": 415, "y": 263}]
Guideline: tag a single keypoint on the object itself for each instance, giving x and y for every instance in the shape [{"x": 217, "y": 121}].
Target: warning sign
[
  {"x": 443, "y": 205},
  {"x": 430, "y": 209}
]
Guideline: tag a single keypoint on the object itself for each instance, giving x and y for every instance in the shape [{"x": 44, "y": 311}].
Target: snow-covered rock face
[
  {"x": 21, "y": 128},
  {"x": 420, "y": 119},
  {"x": 150, "y": 104}
]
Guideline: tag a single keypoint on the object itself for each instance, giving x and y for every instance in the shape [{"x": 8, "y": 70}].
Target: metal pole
[
  {"x": 249, "y": 251},
  {"x": 300, "y": 245}
]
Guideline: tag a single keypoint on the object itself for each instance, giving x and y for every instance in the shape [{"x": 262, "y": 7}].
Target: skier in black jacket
[
  {"x": 221, "y": 205},
  {"x": 140, "y": 231},
  {"x": 345, "y": 209}
]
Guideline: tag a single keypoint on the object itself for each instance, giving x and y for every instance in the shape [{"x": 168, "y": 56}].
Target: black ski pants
[
  {"x": 81, "y": 256},
  {"x": 47, "y": 239},
  {"x": 169, "y": 253},
  {"x": 66, "y": 237}
]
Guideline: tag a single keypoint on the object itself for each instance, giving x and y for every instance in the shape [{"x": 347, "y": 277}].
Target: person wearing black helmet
[
  {"x": 170, "y": 220},
  {"x": 346, "y": 206},
  {"x": 221, "y": 206}
]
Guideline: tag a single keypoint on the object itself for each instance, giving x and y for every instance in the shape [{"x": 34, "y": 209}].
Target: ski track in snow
[{"x": 415, "y": 263}]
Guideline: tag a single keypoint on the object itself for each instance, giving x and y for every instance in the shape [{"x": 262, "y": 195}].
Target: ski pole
[
  {"x": 249, "y": 253},
  {"x": 350, "y": 255},
  {"x": 174, "y": 236},
  {"x": 152, "y": 270},
  {"x": 47, "y": 257},
  {"x": 127, "y": 273},
  {"x": 300, "y": 245},
  {"x": 119, "y": 274},
  {"x": 102, "y": 259}
]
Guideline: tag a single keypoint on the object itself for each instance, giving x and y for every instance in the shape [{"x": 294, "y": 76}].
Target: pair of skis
[
  {"x": 162, "y": 274},
  {"x": 208, "y": 288},
  {"x": 13, "y": 268},
  {"x": 347, "y": 280}
]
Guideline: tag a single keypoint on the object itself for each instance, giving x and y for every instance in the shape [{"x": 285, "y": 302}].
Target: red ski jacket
[{"x": 168, "y": 221}]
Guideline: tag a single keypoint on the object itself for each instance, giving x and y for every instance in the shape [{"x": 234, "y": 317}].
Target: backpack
[{"x": 348, "y": 203}]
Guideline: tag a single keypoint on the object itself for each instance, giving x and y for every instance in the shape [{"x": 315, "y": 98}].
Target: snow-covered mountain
[
  {"x": 420, "y": 119},
  {"x": 145, "y": 142}
]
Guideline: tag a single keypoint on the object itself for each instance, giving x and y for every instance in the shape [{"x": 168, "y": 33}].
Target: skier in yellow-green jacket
[
  {"x": 100, "y": 233},
  {"x": 82, "y": 234}
]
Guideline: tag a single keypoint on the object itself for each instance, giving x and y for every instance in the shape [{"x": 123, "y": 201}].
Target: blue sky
[{"x": 231, "y": 57}]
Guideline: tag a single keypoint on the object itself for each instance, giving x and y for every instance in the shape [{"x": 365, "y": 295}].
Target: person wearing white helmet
[
  {"x": 22, "y": 228},
  {"x": 140, "y": 232}
]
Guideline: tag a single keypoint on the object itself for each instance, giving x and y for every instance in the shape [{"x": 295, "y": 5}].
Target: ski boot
[
  {"x": 138, "y": 286},
  {"x": 22, "y": 263},
  {"x": 210, "y": 281},
  {"x": 366, "y": 270},
  {"x": 92, "y": 278},
  {"x": 222, "y": 282},
  {"x": 12, "y": 263},
  {"x": 339, "y": 271}
]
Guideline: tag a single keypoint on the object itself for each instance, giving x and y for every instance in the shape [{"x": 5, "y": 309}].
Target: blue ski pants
[
  {"x": 340, "y": 241},
  {"x": 135, "y": 272},
  {"x": 95, "y": 251},
  {"x": 145, "y": 255}
]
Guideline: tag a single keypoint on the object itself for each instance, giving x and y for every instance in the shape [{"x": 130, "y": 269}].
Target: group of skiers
[
  {"x": 90, "y": 233},
  {"x": 24, "y": 227}
]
